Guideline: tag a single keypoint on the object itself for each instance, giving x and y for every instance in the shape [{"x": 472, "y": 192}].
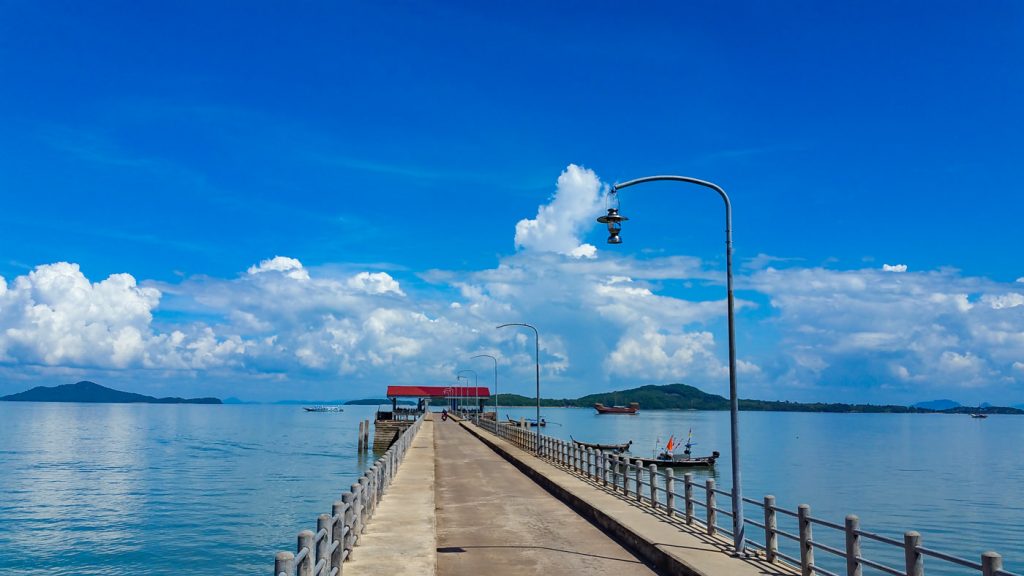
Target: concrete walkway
[
  {"x": 493, "y": 520},
  {"x": 400, "y": 539},
  {"x": 667, "y": 542}
]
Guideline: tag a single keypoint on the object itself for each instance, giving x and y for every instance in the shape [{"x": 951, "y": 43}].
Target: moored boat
[
  {"x": 633, "y": 408},
  {"x": 323, "y": 408},
  {"x": 979, "y": 415},
  {"x": 685, "y": 460},
  {"x": 529, "y": 422},
  {"x": 616, "y": 448}
]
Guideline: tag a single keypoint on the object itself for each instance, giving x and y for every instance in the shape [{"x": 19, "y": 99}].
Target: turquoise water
[
  {"x": 161, "y": 489},
  {"x": 151, "y": 489},
  {"x": 958, "y": 481}
]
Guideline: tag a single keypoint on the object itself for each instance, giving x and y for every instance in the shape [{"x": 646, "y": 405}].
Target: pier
[{"x": 474, "y": 496}]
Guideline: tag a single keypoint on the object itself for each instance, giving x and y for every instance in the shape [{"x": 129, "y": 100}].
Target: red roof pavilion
[{"x": 438, "y": 391}]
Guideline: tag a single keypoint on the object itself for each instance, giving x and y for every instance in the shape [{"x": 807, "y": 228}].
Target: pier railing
[
  {"x": 697, "y": 505},
  {"x": 323, "y": 552}
]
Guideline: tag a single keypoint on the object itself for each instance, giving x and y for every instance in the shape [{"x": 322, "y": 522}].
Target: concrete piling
[
  {"x": 771, "y": 534},
  {"x": 853, "y": 564},
  {"x": 806, "y": 540}
]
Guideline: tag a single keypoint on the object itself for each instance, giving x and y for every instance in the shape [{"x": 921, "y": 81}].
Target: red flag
[{"x": 670, "y": 444}]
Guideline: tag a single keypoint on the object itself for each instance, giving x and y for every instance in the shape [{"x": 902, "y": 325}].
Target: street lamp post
[
  {"x": 537, "y": 362},
  {"x": 495, "y": 382},
  {"x": 459, "y": 391},
  {"x": 614, "y": 221},
  {"x": 476, "y": 383}
]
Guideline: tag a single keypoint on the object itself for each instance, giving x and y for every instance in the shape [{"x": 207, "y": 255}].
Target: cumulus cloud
[
  {"x": 375, "y": 283},
  {"x": 894, "y": 267},
  {"x": 290, "y": 267},
  {"x": 54, "y": 316},
  {"x": 557, "y": 228},
  {"x": 870, "y": 330}
]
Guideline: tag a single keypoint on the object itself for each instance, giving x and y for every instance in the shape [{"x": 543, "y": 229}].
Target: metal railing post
[
  {"x": 670, "y": 492},
  {"x": 915, "y": 560},
  {"x": 853, "y": 565},
  {"x": 709, "y": 485},
  {"x": 688, "y": 496},
  {"x": 806, "y": 540},
  {"x": 771, "y": 534}
]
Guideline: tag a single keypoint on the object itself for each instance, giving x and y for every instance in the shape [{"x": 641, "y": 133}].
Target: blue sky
[{"x": 386, "y": 152}]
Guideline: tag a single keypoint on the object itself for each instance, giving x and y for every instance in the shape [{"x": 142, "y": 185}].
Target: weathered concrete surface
[
  {"x": 401, "y": 539},
  {"x": 666, "y": 543},
  {"x": 493, "y": 520}
]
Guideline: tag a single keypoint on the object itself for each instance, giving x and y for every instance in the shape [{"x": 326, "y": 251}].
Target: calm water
[
  {"x": 161, "y": 489},
  {"x": 958, "y": 481},
  {"x": 150, "y": 489}
]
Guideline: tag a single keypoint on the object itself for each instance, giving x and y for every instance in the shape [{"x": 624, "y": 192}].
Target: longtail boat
[
  {"x": 669, "y": 459},
  {"x": 529, "y": 422},
  {"x": 633, "y": 408},
  {"x": 616, "y": 448}
]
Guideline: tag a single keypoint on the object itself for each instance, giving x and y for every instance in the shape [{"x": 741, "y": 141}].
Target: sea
[{"x": 214, "y": 489}]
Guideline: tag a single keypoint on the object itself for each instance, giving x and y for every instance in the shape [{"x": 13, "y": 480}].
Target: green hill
[
  {"x": 86, "y": 391},
  {"x": 684, "y": 397}
]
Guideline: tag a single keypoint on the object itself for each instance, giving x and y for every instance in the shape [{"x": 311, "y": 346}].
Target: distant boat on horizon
[{"x": 323, "y": 408}]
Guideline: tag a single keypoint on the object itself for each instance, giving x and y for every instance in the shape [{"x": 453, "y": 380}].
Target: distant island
[
  {"x": 86, "y": 391},
  {"x": 685, "y": 397}
]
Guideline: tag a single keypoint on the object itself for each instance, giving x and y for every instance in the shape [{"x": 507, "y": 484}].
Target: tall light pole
[
  {"x": 459, "y": 390},
  {"x": 475, "y": 382},
  {"x": 495, "y": 382},
  {"x": 614, "y": 221},
  {"x": 537, "y": 362}
]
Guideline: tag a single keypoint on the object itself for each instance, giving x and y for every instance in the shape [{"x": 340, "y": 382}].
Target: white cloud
[
  {"x": 54, "y": 316},
  {"x": 870, "y": 329},
  {"x": 290, "y": 267},
  {"x": 1009, "y": 300},
  {"x": 573, "y": 208},
  {"x": 894, "y": 267},
  {"x": 375, "y": 283}
]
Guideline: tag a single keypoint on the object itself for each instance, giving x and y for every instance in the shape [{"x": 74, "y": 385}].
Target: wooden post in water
[
  {"x": 366, "y": 435},
  {"x": 670, "y": 492},
  {"x": 710, "y": 503},
  {"x": 771, "y": 534},
  {"x": 915, "y": 560},
  {"x": 806, "y": 540},
  {"x": 359, "y": 438}
]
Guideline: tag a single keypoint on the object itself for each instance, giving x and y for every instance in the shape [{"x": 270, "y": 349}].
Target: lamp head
[{"x": 613, "y": 219}]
